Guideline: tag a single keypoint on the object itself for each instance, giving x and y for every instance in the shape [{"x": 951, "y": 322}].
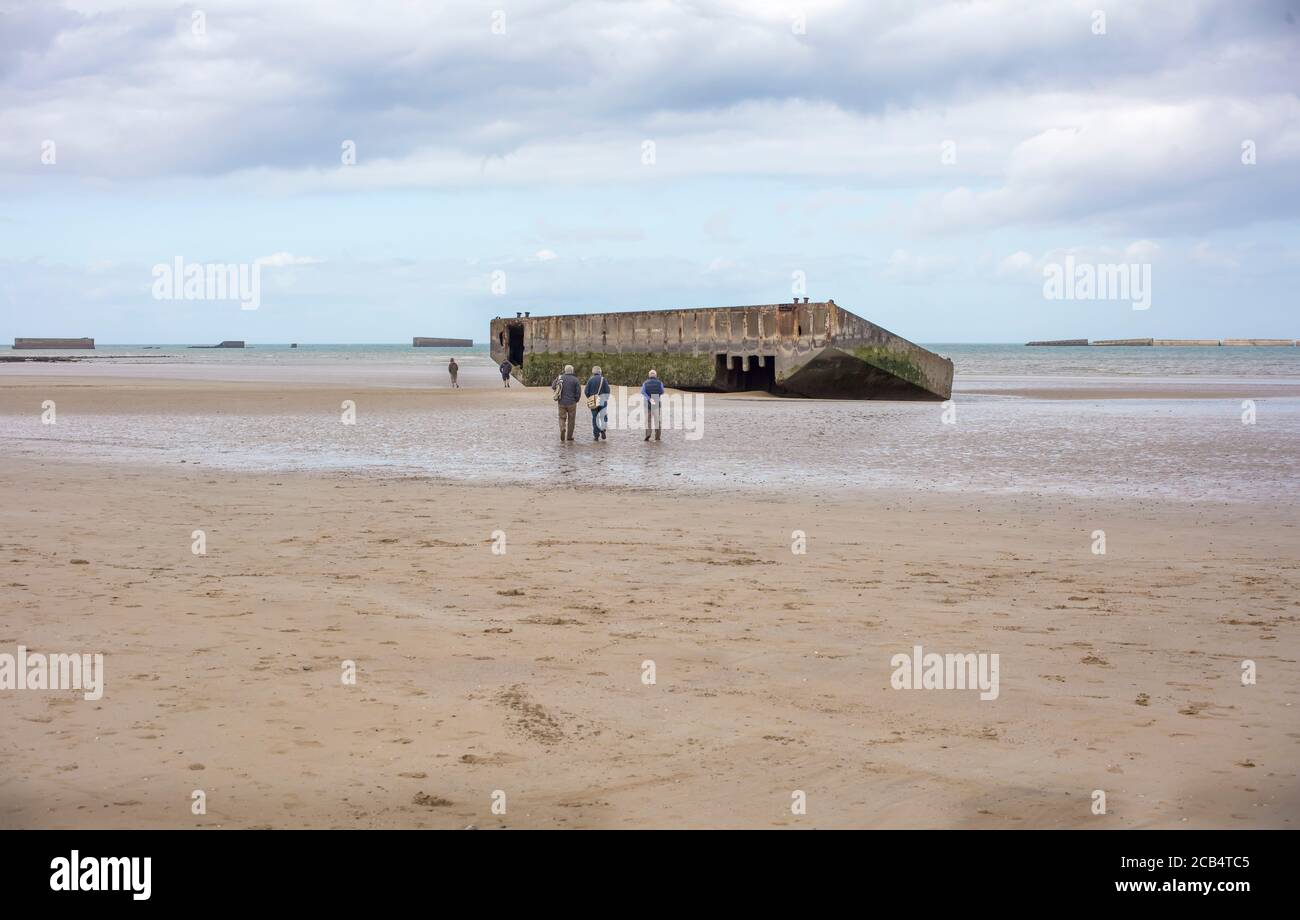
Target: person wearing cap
[
  {"x": 652, "y": 391},
  {"x": 597, "y": 393},
  {"x": 565, "y": 390}
]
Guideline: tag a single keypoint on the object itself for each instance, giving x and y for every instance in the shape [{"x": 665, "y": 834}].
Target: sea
[{"x": 969, "y": 360}]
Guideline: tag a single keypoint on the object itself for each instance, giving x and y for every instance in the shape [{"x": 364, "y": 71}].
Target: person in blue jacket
[
  {"x": 598, "y": 387},
  {"x": 652, "y": 391}
]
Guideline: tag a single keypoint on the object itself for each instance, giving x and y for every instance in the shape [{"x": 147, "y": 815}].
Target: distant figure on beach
[
  {"x": 651, "y": 391},
  {"x": 566, "y": 390},
  {"x": 597, "y": 393},
  {"x": 453, "y": 368},
  {"x": 506, "y": 368}
]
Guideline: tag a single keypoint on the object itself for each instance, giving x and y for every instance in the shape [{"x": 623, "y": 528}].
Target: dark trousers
[{"x": 598, "y": 422}]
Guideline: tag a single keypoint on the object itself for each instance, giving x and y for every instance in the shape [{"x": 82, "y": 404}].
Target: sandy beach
[{"x": 521, "y": 675}]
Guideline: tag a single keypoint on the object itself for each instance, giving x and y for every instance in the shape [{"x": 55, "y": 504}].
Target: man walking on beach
[
  {"x": 453, "y": 368},
  {"x": 567, "y": 389},
  {"x": 652, "y": 390},
  {"x": 597, "y": 393},
  {"x": 506, "y": 368}
]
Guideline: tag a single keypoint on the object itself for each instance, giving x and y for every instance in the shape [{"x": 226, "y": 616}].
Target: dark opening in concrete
[
  {"x": 737, "y": 373},
  {"x": 516, "y": 344}
]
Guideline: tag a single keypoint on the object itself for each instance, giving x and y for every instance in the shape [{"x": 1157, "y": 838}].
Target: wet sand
[
  {"x": 522, "y": 673},
  {"x": 1133, "y": 446}
]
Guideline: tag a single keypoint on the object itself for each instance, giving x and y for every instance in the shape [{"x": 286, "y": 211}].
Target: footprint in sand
[
  {"x": 532, "y": 719},
  {"x": 489, "y": 759},
  {"x": 430, "y": 801}
]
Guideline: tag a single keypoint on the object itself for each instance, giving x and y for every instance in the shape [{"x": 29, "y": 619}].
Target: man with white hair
[
  {"x": 652, "y": 391},
  {"x": 597, "y": 393},
  {"x": 566, "y": 390}
]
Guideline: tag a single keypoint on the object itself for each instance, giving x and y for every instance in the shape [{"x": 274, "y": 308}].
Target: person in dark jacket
[
  {"x": 506, "y": 368},
  {"x": 652, "y": 391},
  {"x": 567, "y": 389},
  {"x": 453, "y": 368},
  {"x": 598, "y": 387}
]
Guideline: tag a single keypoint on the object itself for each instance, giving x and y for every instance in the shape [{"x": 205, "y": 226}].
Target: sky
[{"x": 396, "y": 168}]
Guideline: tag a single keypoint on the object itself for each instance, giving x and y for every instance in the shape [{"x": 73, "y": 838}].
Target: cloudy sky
[{"x": 384, "y": 162}]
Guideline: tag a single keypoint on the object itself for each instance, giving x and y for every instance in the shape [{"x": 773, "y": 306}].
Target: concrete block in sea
[{"x": 818, "y": 350}]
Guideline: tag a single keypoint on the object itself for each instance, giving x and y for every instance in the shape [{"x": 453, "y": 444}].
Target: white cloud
[
  {"x": 1141, "y": 251},
  {"x": 1015, "y": 265},
  {"x": 904, "y": 267},
  {"x": 282, "y": 259},
  {"x": 1168, "y": 164},
  {"x": 1213, "y": 257},
  {"x": 1051, "y": 123}
]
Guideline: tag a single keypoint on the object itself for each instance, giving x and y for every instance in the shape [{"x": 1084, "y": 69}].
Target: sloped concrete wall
[{"x": 891, "y": 353}]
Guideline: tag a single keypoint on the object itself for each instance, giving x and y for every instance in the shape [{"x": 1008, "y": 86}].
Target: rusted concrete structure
[
  {"x": 796, "y": 349},
  {"x": 423, "y": 341},
  {"x": 54, "y": 343}
]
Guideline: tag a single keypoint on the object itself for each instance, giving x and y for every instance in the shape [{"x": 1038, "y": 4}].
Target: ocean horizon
[{"x": 969, "y": 358}]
